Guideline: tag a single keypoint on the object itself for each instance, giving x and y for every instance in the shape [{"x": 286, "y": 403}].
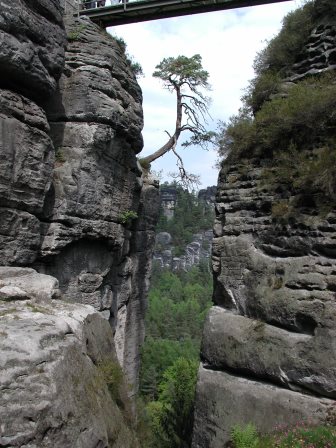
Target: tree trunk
[{"x": 173, "y": 139}]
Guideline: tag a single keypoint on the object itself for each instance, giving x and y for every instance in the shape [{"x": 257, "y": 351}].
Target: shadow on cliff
[{"x": 54, "y": 108}]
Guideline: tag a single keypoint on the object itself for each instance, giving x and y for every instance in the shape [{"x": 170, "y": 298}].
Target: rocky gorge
[
  {"x": 77, "y": 237},
  {"x": 77, "y": 229}
]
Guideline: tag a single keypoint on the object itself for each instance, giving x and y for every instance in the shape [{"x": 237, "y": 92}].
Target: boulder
[
  {"x": 293, "y": 360},
  {"x": 224, "y": 400},
  {"x": 25, "y": 283},
  {"x": 54, "y": 383}
]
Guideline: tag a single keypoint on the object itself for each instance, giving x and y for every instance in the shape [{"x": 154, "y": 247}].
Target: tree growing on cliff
[{"x": 186, "y": 78}]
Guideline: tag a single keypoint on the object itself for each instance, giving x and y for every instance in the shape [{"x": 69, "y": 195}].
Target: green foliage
[
  {"x": 127, "y": 216},
  {"x": 260, "y": 89},
  {"x": 59, "y": 156},
  {"x": 304, "y": 118},
  {"x": 237, "y": 137},
  {"x": 295, "y": 136},
  {"x": 280, "y": 210},
  {"x": 308, "y": 173},
  {"x": 112, "y": 375},
  {"x": 157, "y": 356},
  {"x": 186, "y": 79},
  {"x": 6, "y": 299},
  {"x": 144, "y": 164},
  {"x": 300, "y": 436},
  {"x": 245, "y": 436},
  {"x": 282, "y": 51},
  {"x": 121, "y": 42},
  {"x": 172, "y": 415},
  {"x": 178, "y": 303},
  {"x": 76, "y": 32},
  {"x": 274, "y": 62},
  {"x": 182, "y": 70},
  {"x": 324, "y": 9},
  {"x": 190, "y": 216},
  {"x": 177, "y": 392},
  {"x": 134, "y": 65}
]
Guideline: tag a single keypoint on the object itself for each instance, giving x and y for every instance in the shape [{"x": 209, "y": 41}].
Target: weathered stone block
[
  {"x": 293, "y": 360},
  {"x": 224, "y": 400},
  {"x": 53, "y": 390},
  {"x": 19, "y": 237},
  {"x": 26, "y": 153},
  {"x": 32, "y": 45}
]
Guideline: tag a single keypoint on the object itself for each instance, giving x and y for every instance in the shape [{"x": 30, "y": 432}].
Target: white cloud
[{"x": 227, "y": 41}]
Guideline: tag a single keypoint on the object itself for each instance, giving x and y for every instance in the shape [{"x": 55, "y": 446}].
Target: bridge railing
[{"x": 93, "y": 4}]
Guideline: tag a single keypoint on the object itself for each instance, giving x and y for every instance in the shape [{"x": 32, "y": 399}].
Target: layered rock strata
[
  {"x": 32, "y": 59},
  {"x": 319, "y": 55},
  {"x": 99, "y": 255},
  {"x": 70, "y": 184},
  {"x": 268, "y": 352},
  {"x": 55, "y": 361}
]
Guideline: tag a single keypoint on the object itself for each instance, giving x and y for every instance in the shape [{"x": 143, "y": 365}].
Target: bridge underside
[{"x": 143, "y": 10}]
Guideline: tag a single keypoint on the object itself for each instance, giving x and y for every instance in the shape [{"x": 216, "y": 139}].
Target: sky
[{"x": 228, "y": 42}]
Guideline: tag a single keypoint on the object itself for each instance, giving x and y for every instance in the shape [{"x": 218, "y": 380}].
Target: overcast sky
[{"x": 227, "y": 41}]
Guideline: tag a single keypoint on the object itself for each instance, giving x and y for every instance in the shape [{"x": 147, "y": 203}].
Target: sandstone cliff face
[
  {"x": 96, "y": 122},
  {"x": 31, "y": 58},
  {"x": 70, "y": 129},
  {"x": 55, "y": 360},
  {"x": 68, "y": 171},
  {"x": 268, "y": 352}
]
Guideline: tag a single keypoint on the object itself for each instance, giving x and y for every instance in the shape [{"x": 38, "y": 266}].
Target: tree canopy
[
  {"x": 178, "y": 303},
  {"x": 186, "y": 78}
]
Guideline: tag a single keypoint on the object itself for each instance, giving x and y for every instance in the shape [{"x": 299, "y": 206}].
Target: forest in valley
[{"x": 177, "y": 305}]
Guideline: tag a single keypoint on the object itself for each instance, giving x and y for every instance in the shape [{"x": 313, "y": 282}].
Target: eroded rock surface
[
  {"x": 32, "y": 60},
  {"x": 99, "y": 257},
  {"x": 32, "y": 49},
  {"x": 26, "y": 283},
  {"x": 53, "y": 385},
  {"x": 69, "y": 178},
  {"x": 271, "y": 334},
  {"x": 68, "y": 168},
  {"x": 268, "y": 353},
  {"x": 224, "y": 399}
]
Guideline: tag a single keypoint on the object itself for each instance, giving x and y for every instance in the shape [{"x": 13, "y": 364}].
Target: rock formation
[
  {"x": 96, "y": 121},
  {"x": 198, "y": 250},
  {"x": 56, "y": 364},
  {"x": 32, "y": 58},
  {"x": 208, "y": 194},
  {"x": 268, "y": 352},
  {"x": 168, "y": 199},
  {"x": 75, "y": 207}
]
